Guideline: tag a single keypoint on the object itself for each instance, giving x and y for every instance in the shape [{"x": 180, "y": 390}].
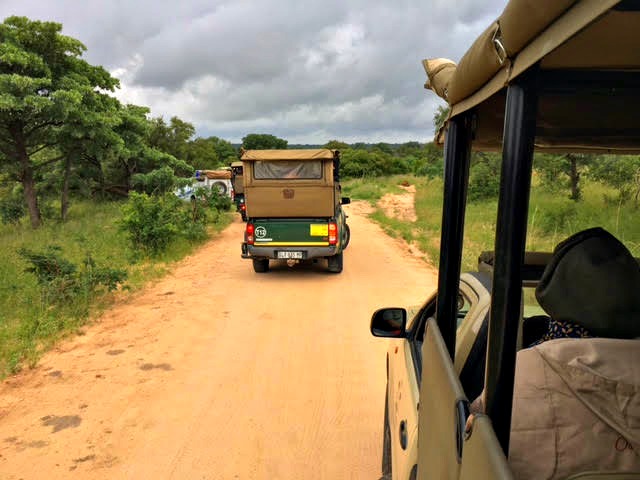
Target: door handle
[{"x": 403, "y": 434}]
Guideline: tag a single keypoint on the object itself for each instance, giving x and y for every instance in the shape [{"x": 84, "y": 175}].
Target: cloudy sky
[{"x": 306, "y": 71}]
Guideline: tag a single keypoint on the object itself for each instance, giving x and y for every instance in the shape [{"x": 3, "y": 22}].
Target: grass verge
[{"x": 29, "y": 322}]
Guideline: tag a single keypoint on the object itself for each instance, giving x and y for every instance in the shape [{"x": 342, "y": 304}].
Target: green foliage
[
  {"x": 152, "y": 222},
  {"x": 621, "y": 173},
  {"x": 336, "y": 145},
  {"x": 441, "y": 115},
  {"x": 563, "y": 172},
  {"x": 62, "y": 281},
  {"x": 12, "y": 209},
  {"x": 484, "y": 177},
  {"x": 44, "y": 85},
  {"x": 156, "y": 182},
  {"x": 263, "y": 141}
]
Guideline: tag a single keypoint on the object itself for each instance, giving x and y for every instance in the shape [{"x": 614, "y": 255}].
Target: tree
[
  {"x": 43, "y": 82},
  {"x": 86, "y": 139},
  {"x": 441, "y": 115},
  {"x": 263, "y": 141},
  {"x": 336, "y": 145},
  {"x": 621, "y": 172},
  {"x": 172, "y": 138},
  {"x": 202, "y": 154},
  {"x": 553, "y": 168},
  {"x": 225, "y": 151}
]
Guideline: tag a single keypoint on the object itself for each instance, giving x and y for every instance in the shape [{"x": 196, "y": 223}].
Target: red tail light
[
  {"x": 333, "y": 233},
  {"x": 243, "y": 207},
  {"x": 249, "y": 233}
]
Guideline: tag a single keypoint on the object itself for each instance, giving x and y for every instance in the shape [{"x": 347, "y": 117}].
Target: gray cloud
[{"x": 305, "y": 71}]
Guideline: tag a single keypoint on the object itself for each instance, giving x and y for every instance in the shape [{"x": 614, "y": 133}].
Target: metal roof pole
[
  {"x": 511, "y": 233},
  {"x": 457, "y": 152}
]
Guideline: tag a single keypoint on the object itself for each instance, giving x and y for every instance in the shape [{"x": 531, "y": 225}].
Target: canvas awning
[
  {"x": 588, "y": 53},
  {"x": 293, "y": 154}
]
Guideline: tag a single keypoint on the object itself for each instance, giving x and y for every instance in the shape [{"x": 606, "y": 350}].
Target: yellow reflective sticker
[{"x": 319, "y": 229}]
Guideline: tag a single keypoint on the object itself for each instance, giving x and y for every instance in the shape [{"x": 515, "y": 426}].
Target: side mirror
[
  {"x": 345, "y": 201},
  {"x": 389, "y": 323}
]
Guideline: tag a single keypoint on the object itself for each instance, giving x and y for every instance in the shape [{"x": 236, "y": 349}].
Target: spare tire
[{"x": 221, "y": 186}]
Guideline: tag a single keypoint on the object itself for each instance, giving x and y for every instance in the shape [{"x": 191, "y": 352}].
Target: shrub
[
  {"x": 484, "y": 182},
  {"x": 12, "y": 209},
  {"x": 151, "y": 223},
  {"x": 62, "y": 281}
]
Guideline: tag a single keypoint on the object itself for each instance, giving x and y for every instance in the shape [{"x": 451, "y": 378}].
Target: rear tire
[
  {"x": 347, "y": 236},
  {"x": 260, "y": 265},
  {"x": 334, "y": 263}
]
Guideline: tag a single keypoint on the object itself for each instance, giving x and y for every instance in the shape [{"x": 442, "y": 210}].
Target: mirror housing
[
  {"x": 345, "y": 201},
  {"x": 389, "y": 323}
]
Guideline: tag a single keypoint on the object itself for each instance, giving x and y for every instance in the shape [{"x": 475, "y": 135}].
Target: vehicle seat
[{"x": 576, "y": 401}]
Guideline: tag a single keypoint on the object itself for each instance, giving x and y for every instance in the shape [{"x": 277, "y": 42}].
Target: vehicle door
[{"x": 405, "y": 370}]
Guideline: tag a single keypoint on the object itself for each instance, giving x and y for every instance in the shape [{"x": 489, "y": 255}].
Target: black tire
[
  {"x": 244, "y": 216},
  {"x": 334, "y": 263},
  {"x": 260, "y": 265},
  {"x": 386, "y": 440},
  {"x": 347, "y": 236}
]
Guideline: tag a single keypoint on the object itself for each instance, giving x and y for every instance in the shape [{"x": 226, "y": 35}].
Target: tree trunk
[
  {"x": 26, "y": 175},
  {"x": 574, "y": 177},
  {"x": 64, "y": 200}
]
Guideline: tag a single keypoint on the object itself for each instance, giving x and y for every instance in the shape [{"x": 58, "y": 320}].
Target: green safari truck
[{"x": 294, "y": 207}]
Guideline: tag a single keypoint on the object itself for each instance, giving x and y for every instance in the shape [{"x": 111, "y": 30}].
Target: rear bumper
[{"x": 252, "y": 251}]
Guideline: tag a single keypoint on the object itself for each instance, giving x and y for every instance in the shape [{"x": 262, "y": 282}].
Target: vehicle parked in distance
[
  {"x": 293, "y": 202},
  {"x": 237, "y": 181},
  {"x": 218, "y": 179}
]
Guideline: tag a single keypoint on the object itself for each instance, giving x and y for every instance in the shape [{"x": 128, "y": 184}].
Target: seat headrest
[{"x": 592, "y": 280}]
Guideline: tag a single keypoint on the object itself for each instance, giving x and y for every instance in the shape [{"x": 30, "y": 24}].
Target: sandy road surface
[{"x": 216, "y": 372}]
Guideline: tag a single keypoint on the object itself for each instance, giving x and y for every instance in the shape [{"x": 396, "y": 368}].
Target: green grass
[
  {"x": 552, "y": 217},
  {"x": 28, "y": 325}
]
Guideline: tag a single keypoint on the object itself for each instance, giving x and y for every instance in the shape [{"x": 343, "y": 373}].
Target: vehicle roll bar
[
  {"x": 457, "y": 154},
  {"x": 511, "y": 233}
]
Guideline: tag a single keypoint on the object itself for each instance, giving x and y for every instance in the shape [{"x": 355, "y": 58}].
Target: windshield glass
[{"x": 289, "y": 169}]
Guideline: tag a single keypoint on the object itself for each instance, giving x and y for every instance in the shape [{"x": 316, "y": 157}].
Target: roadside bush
[
  {"x": 151, "y": 222},
  {"x": 62, "y": 281},
  {"x": 484, "y": 182}
]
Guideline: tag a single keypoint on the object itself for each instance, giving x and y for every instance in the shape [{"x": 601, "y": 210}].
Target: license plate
[{"x": 297, "y": 255}]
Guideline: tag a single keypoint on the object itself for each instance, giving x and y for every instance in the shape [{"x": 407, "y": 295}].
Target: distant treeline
[{"x": 63, "y": 135}]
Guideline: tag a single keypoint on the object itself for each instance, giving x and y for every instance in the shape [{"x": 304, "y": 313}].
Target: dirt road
[{"x": 216, "y": 372}]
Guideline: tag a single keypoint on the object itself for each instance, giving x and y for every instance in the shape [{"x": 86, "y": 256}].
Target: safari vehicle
[
  {"x": 237, "y": 182},
  {"x": 294, "y": 201},
  {"x": 218, "y": 179},
  {"x": 554, "y": 76}
]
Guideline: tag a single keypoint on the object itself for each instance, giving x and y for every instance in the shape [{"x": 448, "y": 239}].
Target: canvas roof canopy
[
  {"x": 588, "y": 55},
  {"x": 293, "y": 154},
  {"x": 216, "y": 174}
]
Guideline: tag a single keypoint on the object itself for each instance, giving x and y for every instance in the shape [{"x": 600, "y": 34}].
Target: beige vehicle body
[
  {"x": 293, "y": 201},
  {"x": 555, "y": 76}
]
